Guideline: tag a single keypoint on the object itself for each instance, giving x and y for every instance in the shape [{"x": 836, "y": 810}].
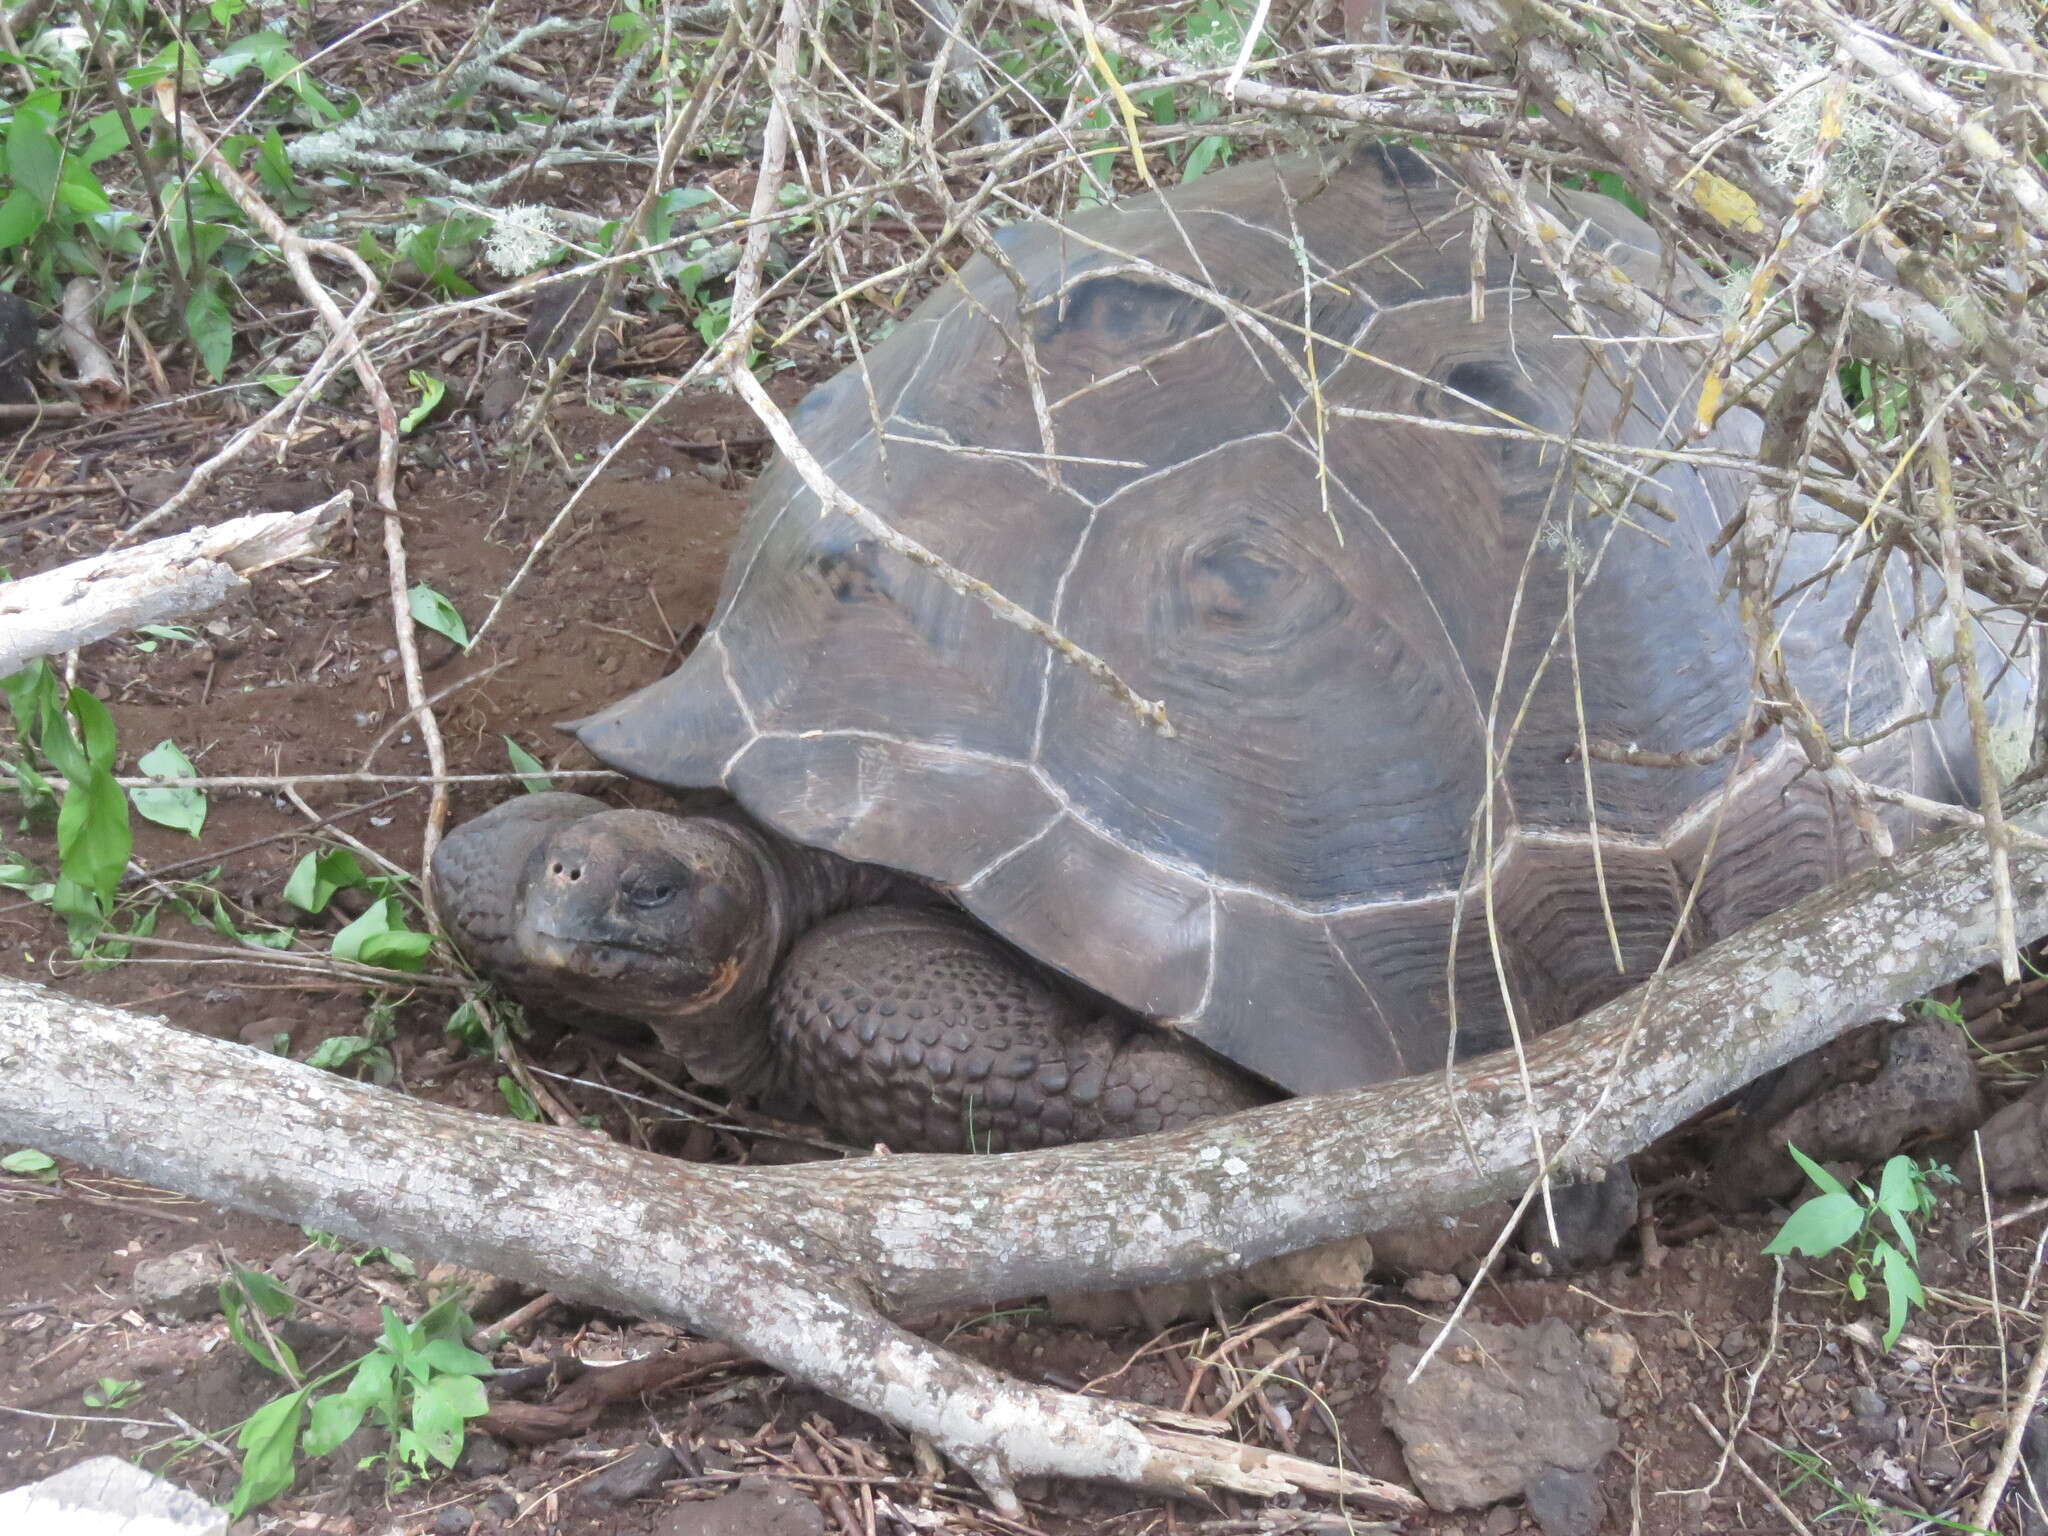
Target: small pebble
[
  {"x": 1433, "y": 1288},
  {"x": 1313, "y": 1338},
  {"x": 482, "y": 1456},
  {"x": 1867, "y": 1403},
  {"x": 635, "y": 1475},
  {"x": 455, "y": 1520},
  {"x": 1501, "y": 1519},
  {"x": 1566, "y": 1503}
]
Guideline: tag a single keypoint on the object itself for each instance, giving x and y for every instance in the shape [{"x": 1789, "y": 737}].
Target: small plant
[
  {"x": 381, "y": 935},
  {"x": 112, "y": 1392},
  {"x": 1837, "y": 1220},
  {"x": 419, "y": 1386}
]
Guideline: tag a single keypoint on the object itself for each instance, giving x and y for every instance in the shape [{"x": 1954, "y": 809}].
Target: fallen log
[{"x": 800, "y": 1266}]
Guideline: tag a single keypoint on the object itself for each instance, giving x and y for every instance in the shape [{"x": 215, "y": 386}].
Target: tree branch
[
  {"x": 797, "y": 1266},
  {"x": 169, "y": 578}
]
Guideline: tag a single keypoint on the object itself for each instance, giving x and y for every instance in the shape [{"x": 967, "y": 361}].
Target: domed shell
[{"x": 1275, "y": 472}]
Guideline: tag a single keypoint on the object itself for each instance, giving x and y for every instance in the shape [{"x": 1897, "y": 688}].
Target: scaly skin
[{"x": 765, "y": 967}]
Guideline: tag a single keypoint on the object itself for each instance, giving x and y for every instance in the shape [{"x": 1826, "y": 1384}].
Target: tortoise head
[{"x": 665, "y": 919}]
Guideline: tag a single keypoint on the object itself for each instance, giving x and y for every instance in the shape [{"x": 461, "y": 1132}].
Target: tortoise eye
[{"x": 656, "y": 892}]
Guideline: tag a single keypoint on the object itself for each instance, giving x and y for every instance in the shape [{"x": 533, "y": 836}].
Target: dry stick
[
  {"x": 1370, "y": 110},
  {"x": 1989, "y": 792},
  {"x": 278, "y": 781},
  {"x": 169, "y": 578},
  {"x": 2015, "y": 1433},
  {"x": 1889, "y": 322},
  {"x": 298, "y": 252},
  {"x": 1727, "y": 1444},
  {"x": 96, "y": 372},
  {"x": 680, "y": 133},
  {"x": 731, "y": 357},
  {"x": 2001, "y": 167}
]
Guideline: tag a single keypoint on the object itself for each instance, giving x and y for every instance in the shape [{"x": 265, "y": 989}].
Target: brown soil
[{"x": 301, "y": 677}]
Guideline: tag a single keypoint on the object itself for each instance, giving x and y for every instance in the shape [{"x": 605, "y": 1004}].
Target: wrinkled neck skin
[{"x": 725, "y": 1040}]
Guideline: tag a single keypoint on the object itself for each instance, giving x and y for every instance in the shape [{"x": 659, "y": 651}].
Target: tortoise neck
[{"x": 730, "y": 1044}]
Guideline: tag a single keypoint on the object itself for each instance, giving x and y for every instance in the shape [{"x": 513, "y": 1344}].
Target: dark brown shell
[{"x": 1337, "y": 635}]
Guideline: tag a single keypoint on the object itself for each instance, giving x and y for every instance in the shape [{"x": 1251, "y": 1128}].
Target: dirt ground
[{"x": 302, "y": 677}]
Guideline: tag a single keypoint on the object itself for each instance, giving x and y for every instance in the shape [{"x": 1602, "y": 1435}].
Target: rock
[
  {"x": 1313, "y": 1338},
  {"x": 2015, "y": 1143},
  {"x": 1593, "y": 1217},
  {"x": 1332, "y": 1269},
  {"x": 109, "y": 1494},
  {"x": 1867, "y": 1403},
  {"x": 183, "y": 1286},
  {"x": 1566, "y": 1503},
  {"x": 1939, "y": 1465},
  {"x": 1927, "y": 1087},
  {"x": 485, "y": 1295},
  {"x": 483, "y": 1456},
  {"x": 759, "y": 1506},
  {"x": 634, "y": 1475},
  {"x": 1450, "y": 1245},
  {"x": 1499, "y": 1405},
  {"x": 455, "y": 1520},
  {"x": 1500, "y": 1520},
  {"x": 1434, "y": 1289}
]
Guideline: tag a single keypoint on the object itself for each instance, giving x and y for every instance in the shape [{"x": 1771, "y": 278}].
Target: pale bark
[
  {"x": 154, "y": 583},
  {"x": 92, "y": 370},
  {"x": 797, "y": 1265}
]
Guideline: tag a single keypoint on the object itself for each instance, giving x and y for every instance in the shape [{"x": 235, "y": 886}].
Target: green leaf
[
  {"x": 111, "y": 1392},
  {"x": 435, "y": 612},
  {"x": 268, "y": 1441},
  {"x": 456, "y": 1359},
  {"x": 380, "y": 937},
  {"x": 337, "y": 1051},
  {"x": 439, "y": 1411},
  {"x": 467, "y": 1025},
  {"x": 1204, "y": 155},
  {"x": 1898, "y": 1187},
  {"x": 1902, "y": 1290},
  {"x": 1822, "y": 1179},
  {"x": 28, "y": 1161},
  {"x": 34, "y": 155},
  {"x": 517, "y": 1099},
  {"x": 1820, "y": 1226},
  {"x": 20, "y": 217},
  {"x": 525, "y": 762},
  {"x": 432, "y": 392},
  {"x": 317, "y": 876},
  {"x": 396, "y": 949},
  {"x": 335, "y": 1417},
  {"x": 211, "y": 327},
  {"x": 184, "y": 810},
  {"x": 273, "y": 164}
]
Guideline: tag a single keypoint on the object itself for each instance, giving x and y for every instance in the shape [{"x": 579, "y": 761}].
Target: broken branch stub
[{"x": 169, "y": 578}]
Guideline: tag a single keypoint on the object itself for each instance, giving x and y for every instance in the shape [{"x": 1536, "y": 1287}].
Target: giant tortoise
[{"x": 1291, "y": 457}]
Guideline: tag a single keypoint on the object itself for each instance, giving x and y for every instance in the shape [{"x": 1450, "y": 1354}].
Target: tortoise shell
[{"x": 1298, "y": 492}]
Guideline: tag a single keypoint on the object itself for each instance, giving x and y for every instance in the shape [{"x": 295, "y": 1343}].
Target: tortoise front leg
[{"x": 915, "y": 1028}]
